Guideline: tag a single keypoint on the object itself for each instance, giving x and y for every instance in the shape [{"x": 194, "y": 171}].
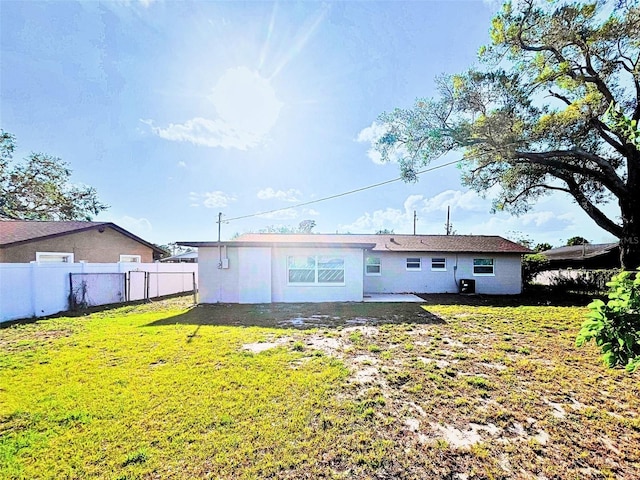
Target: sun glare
[{"x": 246, "y": 101}]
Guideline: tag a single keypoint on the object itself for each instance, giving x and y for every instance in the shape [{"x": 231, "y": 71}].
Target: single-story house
[
  {"x": 186, "y": 257},
  {"x": 24, "y": 241},
  {"x": 588, "y": 256},
  {"x": 264, "y": 268}
]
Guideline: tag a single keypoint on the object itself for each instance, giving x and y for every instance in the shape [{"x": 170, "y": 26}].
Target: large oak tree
[
  {"x": 553, "y": 107},
  {"x": 39, "y": 188}
]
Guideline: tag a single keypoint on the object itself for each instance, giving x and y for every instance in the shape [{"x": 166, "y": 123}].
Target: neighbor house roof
[
  {"x": 580, "y": 252},
  {"x": 391, "y": 243},
  {"x": 193, "y": 255},
  {"x": 16, "y": 232}
]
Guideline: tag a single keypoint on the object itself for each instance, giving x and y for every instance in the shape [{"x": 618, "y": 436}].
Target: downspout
[{"x": 455, "y": 270}]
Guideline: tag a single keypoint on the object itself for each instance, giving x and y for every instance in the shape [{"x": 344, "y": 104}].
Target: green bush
[
  {"x": 615, "y": 325},
  {"x": 533, "y": 264},
  {"x": 582, "y": 281}
]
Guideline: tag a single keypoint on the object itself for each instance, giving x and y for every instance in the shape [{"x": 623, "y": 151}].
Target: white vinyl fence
[{"x": 40, "y": 289}]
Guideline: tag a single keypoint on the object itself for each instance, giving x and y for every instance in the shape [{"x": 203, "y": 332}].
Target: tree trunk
[{"x": 630, "y": 240}]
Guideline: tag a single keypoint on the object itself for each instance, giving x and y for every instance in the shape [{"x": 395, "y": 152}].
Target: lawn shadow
[
  {"x": 527, "y": 299},
  {"x": 302, "y": 316}
]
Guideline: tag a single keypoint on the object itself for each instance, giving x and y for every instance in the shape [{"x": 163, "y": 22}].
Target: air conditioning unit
[{"x": 467, "y": 285}]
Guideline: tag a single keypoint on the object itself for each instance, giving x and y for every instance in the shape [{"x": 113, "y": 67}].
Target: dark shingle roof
[
  {"x": 392, "y": 243},
  {"x": 18, "y": 231},
  {"x": 579, "y": 252},
  {"x": 15, "y": 232}
]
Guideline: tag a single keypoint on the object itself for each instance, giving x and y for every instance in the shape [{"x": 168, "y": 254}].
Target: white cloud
[
  {"x": 182, "y": 164},
  {"x": 456, "y": 199},
  {"x": 206, "y": 133},
  {"x": 135, "y": 225},
  {"x": 247, "y": 109},
  {"x": 291, "y": 195},
  {"x": 470, "y": 214},
  {"x": 142, "y": 3},
  {"x": 371, "y": 135},
  {"x": 291, "y": 214},
  {"x": 288, "y": 214},
  {"x": 215, "y": 199},
  {"x": 389, "y": 218}
]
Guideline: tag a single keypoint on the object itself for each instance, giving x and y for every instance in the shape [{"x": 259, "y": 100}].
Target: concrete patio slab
[{"x": 391, "y": 298}]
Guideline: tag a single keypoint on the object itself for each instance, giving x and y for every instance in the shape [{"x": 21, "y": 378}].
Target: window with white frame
[
  {"x": 483, "y": 266},
  {"x": 373, "y": 266},
  {"x": 414, "y": 263},
  {"x": 54, "y": 257},
  {"x": 130, "y": 258},
  {"x": 439, "y": 264},
  {"x": 315, "y": 270}
]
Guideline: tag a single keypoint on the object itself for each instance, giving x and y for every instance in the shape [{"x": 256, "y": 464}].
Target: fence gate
[
  {"x": 143, "y": 285},
  {"x": 91, "y": 289}
]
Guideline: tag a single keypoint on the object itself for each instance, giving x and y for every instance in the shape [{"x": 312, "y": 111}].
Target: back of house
[{"x": 265, "y": 268}]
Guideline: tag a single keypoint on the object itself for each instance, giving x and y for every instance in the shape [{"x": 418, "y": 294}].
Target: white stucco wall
[
  {"x": 395, "y": 278},
  {"x": 259, "y": 275},
  {"x": 254, "y": 280},
  {"x": 218, "y": 285},
  {"x": 351, "y": 291}
]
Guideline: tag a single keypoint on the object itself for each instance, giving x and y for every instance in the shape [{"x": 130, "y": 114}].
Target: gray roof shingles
[
  {"x": 14, "y": 232},
  {"x": 393, "y": 243}
]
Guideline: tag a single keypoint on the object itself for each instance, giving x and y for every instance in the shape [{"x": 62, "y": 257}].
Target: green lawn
[{"x": 314, "y": 391}]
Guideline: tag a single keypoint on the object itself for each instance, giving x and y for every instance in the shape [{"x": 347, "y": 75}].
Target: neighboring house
[
  {"x": 23, "y": 241},
  {"x": 187, "y": 257},
  {"x": 264, "y": 268},
  {"x": 587, "y": 256}
]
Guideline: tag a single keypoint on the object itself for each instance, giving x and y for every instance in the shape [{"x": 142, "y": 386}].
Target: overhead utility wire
[{"x": 430, "y": 169}]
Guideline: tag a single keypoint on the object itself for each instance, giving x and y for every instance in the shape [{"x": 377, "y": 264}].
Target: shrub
[
  {"x": 615, "y": 325},
  {"x": 582, "y": 281},
  {"x": 533, "y": 264}
]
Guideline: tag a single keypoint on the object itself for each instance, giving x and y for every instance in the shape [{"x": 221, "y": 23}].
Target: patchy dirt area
[
  {"x": 30, "y": 337},
  {"x": 482, "y": 392}
]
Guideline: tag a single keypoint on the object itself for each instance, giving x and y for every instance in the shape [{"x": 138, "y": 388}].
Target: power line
[{"x": 368, "y": 187}]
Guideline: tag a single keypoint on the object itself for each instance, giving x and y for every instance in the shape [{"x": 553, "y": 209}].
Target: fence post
[
  {"x": 195, "y": 298},
  {"x": 72, "y": 302},
  {"x": 34, "y": 290}
]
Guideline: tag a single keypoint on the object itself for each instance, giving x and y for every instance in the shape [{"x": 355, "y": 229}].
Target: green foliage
[
  {"x": 593, "y": 282},
  {"x": 542, "y": 247},
  {"x": 623, "y": 125},
  {"x": 39, "y": 188},
  {"x": 305, "y": 226},
  {"x": 615, "y": 325},
  {"x": 536, "y": 117},
  {"x": 577, "y": 240},
  {"x": 533, "y": 264}
]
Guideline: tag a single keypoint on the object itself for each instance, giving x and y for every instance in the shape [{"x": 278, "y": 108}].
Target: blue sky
[{"x": 175, "y": 111}]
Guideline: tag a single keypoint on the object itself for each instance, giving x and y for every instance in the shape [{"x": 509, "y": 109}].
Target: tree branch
[
  {"x": 590, "y": 209},
  {"x": 525, "y": 191},
  {"x": 607, "y": 174},
  {"x": 561, "y": 97}
]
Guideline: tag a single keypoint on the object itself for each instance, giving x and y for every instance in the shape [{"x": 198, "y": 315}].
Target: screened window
[
  {"x": 54, "y": 257},
  {"x": 483, "y": 266},
  {"x": 316, "y": 269},
  {"x": 131, "y": 258},
  {"x": 373, "y": 266},
  {"x": 439, "y": 264},
  {"x": 414, "y": 264}
]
